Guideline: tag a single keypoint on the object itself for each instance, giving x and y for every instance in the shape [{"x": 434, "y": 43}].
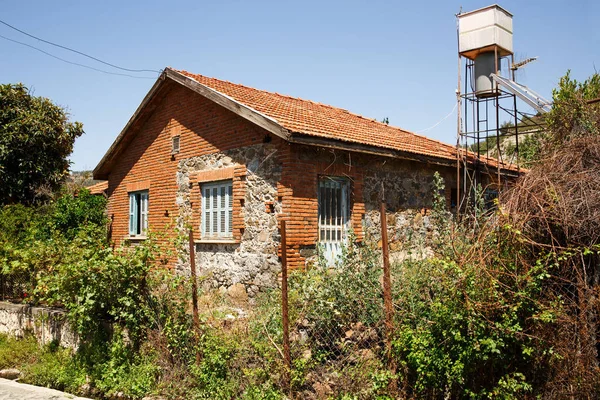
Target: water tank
[
  {"x": 484, "y": 30},
  {"x": 483, "y": 35},
  {"x": 485, "y": 64}
]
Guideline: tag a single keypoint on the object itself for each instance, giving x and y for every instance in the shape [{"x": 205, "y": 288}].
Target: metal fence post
[
  {"x": 194, "y": 291},
  {"x": 284, "y": 309},
  {"x": 387, "y": 281}
]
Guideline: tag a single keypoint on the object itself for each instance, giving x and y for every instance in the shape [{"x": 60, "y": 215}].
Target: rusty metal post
[
  {"x": 194, "y": 291},
  {"x": 387, "y": 281},
  {"x": 284, "y": 309}
]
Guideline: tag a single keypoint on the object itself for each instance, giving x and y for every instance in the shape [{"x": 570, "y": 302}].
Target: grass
[{"x": 49, "y": 365}]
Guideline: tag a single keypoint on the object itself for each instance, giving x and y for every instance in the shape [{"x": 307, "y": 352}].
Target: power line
[
  {"x": 74, "y": 63},
  {"x": 440, "y": 121},
  {"x": 78, "y": 52}
]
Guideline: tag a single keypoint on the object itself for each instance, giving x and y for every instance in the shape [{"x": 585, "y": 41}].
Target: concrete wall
[{"x": 45, "y": 323}]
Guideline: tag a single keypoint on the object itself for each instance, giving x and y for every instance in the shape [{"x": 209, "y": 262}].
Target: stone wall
[
  {"x": 271, "y": 182},
  {"x": 46, "y": 324},
  {"x": 252, "y": 258},
  {"x": 408, "y": 188}
]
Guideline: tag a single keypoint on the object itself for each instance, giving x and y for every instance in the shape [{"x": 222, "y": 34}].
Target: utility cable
[
  {"x": 78, "y": 52},
  {"x": 440, "y": 121},
  {"x": 74, "y": 63}
]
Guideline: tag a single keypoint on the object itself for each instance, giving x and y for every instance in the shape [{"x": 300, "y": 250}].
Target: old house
[{"x": 231, "y": 161}]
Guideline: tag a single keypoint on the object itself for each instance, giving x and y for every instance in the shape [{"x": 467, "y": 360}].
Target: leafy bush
[{"x": 73, "y": 211}]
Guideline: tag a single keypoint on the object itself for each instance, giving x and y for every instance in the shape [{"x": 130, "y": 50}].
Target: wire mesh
[
  {"x": 337, "y": 328},
  {"x": 16, "y": 286}
]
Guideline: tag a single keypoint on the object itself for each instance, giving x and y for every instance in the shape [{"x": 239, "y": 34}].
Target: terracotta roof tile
[
  {"x": 98, "y": 188},
  {"x": 321, "y": 120}
]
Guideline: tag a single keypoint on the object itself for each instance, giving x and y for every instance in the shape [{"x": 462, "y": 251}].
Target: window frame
[
  {"x": 219, "y": 207},
  {"x": 175, "y": 144},
  {"x": 139, "y": 203},
  {"x": 339, "y": 228}
]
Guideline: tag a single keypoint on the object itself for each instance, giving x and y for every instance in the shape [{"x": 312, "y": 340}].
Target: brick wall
[
  {"x": 303, "y": 166},
  {"x": 207, "y": 129},
  {"x": 204, "y": 128}
]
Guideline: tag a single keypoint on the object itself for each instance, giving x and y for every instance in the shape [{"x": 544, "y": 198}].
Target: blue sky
[{"x": 377, "y": 58}]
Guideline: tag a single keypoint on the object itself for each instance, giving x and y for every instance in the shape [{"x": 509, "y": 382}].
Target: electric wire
[
  {"x": 74, "y": 63},
  {"x": 78, "y": 52},
  {"x": 440, "y": 121}
]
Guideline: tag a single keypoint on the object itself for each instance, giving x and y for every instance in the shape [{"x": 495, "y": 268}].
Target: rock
[
  {"x": 417, "y": 221},
  {"x": 263, "y": 236},
  {"x": 85, "y": 389},
  {"x": 237, "y": 293},
  {"x": 10, "y": 373},
  {"x": 229, "y": 317},
  {"x": 307, "y": 354},
  {"x": 322, "y": 390}
]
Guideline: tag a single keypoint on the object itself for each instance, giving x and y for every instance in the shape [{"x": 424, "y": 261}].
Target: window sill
[
  {"x": 216, "y": 241},
  {"x": 135, "y": 238}
]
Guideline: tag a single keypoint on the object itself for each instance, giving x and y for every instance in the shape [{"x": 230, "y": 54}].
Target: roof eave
[
  {"x": 300, "y": 138},
  {"x": 244, "y": 111},
  {"x": 101, "y": 170}
]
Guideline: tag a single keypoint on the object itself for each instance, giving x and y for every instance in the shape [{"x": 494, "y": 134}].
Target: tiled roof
[
  {"x": 98, "y": 188},
  {"x": 320, "y": 120},
  {"x": 323, "y": 121}
]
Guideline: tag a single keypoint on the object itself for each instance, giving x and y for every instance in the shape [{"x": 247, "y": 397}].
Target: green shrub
[
  {"x": 71, "y": 212},
  {"x": 55, "y": 368},
  {"x": 14, "y": 352}
]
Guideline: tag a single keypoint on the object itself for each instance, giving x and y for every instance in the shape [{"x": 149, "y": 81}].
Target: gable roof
[
  {"x": 303, "y": 121},
  {"x": 320, "y": 120}
]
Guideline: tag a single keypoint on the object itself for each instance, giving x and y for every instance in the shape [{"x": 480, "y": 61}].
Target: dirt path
[{"x": 11, "y": 390}]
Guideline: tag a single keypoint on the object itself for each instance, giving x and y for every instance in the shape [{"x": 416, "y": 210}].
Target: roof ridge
[
  {"x": 317, "y": 103},
  {"x": 261, "y": 90}
]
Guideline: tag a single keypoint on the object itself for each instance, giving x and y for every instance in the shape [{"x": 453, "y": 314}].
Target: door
[{"x": 334, "y": 213}]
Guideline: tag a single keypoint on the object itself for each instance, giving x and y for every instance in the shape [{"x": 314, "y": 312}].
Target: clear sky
[{"x": 379, "y": 59}]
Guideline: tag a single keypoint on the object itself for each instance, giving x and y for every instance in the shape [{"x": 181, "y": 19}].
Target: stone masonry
[{"x": 252, "y": 259}]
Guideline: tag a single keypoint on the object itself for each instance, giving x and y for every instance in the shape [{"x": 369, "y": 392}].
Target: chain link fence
[
  {"x": 339, "y": 329},
  {"x": 16, "y": 286}
]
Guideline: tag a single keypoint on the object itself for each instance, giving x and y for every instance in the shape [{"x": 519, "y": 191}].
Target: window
[
  {"x": 334, "y": 216},
  {"x": 217, "y": 210},
  {"x": 138, "y": 213}
]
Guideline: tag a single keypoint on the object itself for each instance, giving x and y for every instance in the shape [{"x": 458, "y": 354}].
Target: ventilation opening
[{"x": 175, "y": 144}]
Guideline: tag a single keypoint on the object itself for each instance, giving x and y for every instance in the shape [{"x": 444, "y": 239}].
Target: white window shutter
[
  {"x": 132, "y": 214},
  {"x": 217, "y": 205},
  {"x": 144, "y": 212}
]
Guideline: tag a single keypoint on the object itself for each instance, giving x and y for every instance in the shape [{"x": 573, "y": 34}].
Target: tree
[
  {"x": 572, "y": 115},
  {"x": 36, "y": 138}
]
